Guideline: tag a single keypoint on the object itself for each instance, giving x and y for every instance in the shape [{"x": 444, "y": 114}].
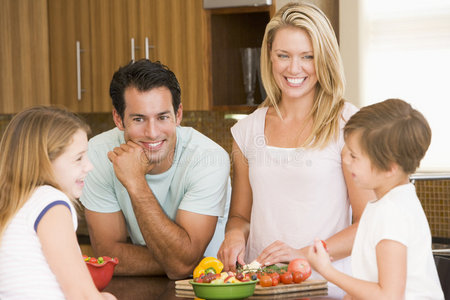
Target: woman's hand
[
  {"x": 231, "y": 251},
  {"x": 278, "y": 252},
  {"x": 318, "y": 257}
]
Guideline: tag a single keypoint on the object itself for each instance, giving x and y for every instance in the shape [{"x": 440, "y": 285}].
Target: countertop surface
[{"x": 161, "y": 288}]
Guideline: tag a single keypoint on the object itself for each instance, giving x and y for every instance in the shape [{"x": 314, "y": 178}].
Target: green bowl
[{"x": 212, "y": 291}]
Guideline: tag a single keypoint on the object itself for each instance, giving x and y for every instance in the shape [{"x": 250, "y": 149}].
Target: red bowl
[{"x": 102, "y": 273}]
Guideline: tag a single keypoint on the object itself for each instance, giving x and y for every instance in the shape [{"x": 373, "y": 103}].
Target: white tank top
[{"x": 298, "y": 194}]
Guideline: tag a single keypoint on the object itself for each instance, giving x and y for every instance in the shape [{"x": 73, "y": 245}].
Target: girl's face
[
  {"x": 293, "y": 67},
  {"x": 72, "y": 166}
]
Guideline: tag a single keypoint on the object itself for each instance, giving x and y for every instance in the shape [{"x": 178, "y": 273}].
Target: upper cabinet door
[
  {"x": 70, "y": 54},
  {"x": 141, "y": 28},
  {"x": 110, "y": 45},
  {"x": 182, "y": 44},
  {"x": 24, "y": 56}
]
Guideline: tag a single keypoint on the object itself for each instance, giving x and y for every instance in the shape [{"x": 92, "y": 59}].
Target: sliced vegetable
[{"x": 210, "y": 264}]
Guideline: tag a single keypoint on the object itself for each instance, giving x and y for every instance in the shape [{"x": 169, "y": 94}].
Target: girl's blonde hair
[
  {"x": 32, "y": 140},
  {"x": 328, "y": 98}
]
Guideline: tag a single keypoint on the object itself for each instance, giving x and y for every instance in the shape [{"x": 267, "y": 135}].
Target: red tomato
[
  {"x": 275, "y": 275},
  {"x": 265, "y": 281},
  {"x": 286, "y": 278},
  {"x": 275, "y": 281},
  {"x": 297, "y": 277},
  {"x": 93, "y": 260},
  {"x": 300, "y": 265}
]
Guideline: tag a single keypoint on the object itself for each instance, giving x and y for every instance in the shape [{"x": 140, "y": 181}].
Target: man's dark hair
[{"x": 143, "y": 75}]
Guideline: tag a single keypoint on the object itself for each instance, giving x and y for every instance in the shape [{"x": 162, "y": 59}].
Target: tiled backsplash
[{"x": 434, "y": 194}]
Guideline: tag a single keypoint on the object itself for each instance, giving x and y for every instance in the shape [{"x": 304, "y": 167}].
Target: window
[{"x": 403, "y": 51}]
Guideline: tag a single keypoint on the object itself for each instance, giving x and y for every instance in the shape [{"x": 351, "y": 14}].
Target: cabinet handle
[
  {"x": 78, "y": 71},
  {"x": 132, "y": 49},
  {"x": 147, "y": 46}
]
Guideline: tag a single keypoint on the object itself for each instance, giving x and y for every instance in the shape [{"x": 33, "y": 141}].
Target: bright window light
[{"x": 406, "y": 55}]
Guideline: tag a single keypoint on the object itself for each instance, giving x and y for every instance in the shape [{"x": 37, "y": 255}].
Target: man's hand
[{"x": 130, "y": 162}]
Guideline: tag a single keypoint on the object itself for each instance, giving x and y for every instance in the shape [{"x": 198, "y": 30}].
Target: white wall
[{"x": 351, "y": 43}]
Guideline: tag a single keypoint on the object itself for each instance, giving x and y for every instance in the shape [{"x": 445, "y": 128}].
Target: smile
[
  {"x": 153, "y": 146},
  {"x": 295, "y": 80}
]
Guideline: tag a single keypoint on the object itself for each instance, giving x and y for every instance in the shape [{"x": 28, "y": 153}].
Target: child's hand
[{"x": 318, "y": 257}]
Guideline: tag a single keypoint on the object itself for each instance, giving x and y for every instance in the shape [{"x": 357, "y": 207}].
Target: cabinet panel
[
  {"x": 24, "y": 57},
  {"x": 177, "y": 36},
  {"x": 110, "y": 47},
  {"x": 141, "y": 27},
  {"x": 182, "y": 44},
  {"x": 69, "y": 23}
]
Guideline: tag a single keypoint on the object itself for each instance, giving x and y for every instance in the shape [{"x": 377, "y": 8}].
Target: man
[{"x": 161, "y": 184}]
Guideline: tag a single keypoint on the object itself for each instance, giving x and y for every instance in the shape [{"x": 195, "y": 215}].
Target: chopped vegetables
[
  {"x": 100, "y": 260},
  {"x": 208, "y": 265}
]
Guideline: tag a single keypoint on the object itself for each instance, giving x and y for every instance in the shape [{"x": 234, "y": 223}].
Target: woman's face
[
  {"x": 293, "y": 67},
  {"x": 72, "y": 166}
]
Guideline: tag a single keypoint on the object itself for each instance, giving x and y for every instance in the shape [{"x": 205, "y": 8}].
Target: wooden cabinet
[
  {"x": 171, "y": 31},
  {"x": 88, "y": 42},
  {"x": 182, "y": 43},
  {"x": 24, "y": 56},
  {"x": 233, "y": 29}
]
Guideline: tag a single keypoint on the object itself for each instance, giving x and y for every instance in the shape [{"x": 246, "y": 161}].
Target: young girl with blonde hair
[{"x": 43, "y": 164}]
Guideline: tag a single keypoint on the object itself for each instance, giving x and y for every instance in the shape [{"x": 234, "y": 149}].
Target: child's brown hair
[{"x": 391, "y": 132}]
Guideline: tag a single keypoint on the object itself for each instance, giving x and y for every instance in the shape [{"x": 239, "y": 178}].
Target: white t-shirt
[
  {"x": 197, "y": 181},
  {"x": 24, "y": 271},
  {"x": 298, "y": 194},
  {"x": 398, "y": 216}
]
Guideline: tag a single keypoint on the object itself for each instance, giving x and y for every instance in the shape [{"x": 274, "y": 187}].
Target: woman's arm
[
  {"x": 232, "y": 249},
  {"x": 340, "y": 245},
  {"x": 59, "y": 244},
  {"x": 391, "y": 264}
]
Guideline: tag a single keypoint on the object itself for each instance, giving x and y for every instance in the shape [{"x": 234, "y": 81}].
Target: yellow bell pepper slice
[{"x": 207, "y": 263}]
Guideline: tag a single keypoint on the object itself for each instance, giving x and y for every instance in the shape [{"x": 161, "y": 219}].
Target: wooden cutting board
[{"x": 318, "y": 286}]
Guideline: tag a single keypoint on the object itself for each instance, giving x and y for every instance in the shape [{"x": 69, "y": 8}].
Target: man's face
[{"x": 150, "y": 121}]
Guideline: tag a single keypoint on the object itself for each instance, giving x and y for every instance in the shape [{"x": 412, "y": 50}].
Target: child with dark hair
[{"x": 391, "y": 256}]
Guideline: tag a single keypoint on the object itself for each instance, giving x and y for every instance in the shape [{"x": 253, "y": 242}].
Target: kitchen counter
[{"x": 161, "y": 288}]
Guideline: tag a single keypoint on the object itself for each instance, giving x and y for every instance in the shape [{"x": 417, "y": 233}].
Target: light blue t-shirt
[{"x": 197, "y": 181}]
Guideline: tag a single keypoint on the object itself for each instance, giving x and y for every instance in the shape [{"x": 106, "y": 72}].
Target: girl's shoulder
[
  {"x": 45, "y": 195},
  {"x": 49, "y": 191}
]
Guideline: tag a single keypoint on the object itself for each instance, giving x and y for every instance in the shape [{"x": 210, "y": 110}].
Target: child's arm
[
  {"x": 391, "y": 263},
  {"x": 60, "y": 247}
]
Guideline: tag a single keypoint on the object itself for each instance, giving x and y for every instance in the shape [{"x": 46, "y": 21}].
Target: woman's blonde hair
[
  {"x": 328, "y": 98},
  {"x": 32, "y": 140}
]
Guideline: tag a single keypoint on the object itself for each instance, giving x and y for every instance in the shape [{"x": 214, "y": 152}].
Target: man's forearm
[
  {"x": 135, "y": 260},
  {"x": 167, "y": 242}
]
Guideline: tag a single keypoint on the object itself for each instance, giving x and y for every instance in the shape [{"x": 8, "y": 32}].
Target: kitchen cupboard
[
  {"x": 231, "y": 30},
  {"x": 24, "y": 55},
  {"x": 110, "y": 34}
]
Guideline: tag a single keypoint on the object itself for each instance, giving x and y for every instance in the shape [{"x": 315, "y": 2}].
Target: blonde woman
[
  {"x": 289, "y": 183},
  {"x": 43, "y": 164}
]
